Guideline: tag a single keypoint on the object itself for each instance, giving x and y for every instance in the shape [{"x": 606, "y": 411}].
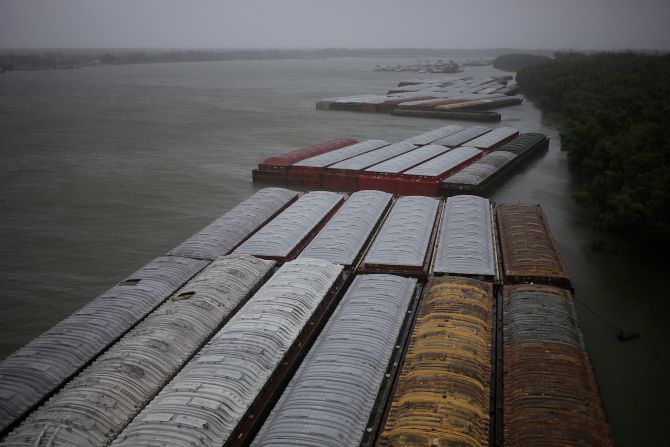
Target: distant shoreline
[{"x": 70, "y": 59}]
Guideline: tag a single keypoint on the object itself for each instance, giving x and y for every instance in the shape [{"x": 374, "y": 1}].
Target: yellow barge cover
[{"x": 442, "y": 395}]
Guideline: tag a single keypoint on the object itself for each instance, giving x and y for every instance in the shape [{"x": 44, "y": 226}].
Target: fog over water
[{"x": 580, "y": 24}]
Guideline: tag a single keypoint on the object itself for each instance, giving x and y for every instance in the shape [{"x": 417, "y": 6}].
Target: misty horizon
[{"x": 305, "y": 24}]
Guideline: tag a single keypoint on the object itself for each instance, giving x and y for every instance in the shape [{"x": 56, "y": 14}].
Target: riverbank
[{"x": 615, "y": 128}]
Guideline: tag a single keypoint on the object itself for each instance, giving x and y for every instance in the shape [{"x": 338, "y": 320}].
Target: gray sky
[{"x": 580, "y": 24}]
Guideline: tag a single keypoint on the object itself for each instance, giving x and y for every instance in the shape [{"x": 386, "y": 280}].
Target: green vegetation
[
  {"x": 615, "y": 113},
  {"x": 513, "y": 62}
]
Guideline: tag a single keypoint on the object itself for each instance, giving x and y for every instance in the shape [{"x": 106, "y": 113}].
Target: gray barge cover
[
  {"x": 205, "y": 402},
  {"x": 445, "y": 162},
  {"x": 478, "y": 172},
  {"x": 338, "y": 155},
  {"x": 34, "y": 371},
  {"x": 492, "y": 138},
  {"x": 330, "y": 398},
  {"x": 368, "y": 159},
  {"x": 403, "y": 239},
  {"x": 463, "y": 136},
  {"x": 343, "y": 237},
  {"x": 226, "y": 232},
  {"x": 430, "y": 136},
  {"x": 97, "y": 404},
  {"x": 281, "y": 236},
  {"x": 540, "y": 315},
  {"x": 466, "y": 238},
  {"x": 406, "y": 161}
]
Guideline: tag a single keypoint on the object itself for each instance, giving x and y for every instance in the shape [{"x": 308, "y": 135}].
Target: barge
[
  {"x": 429, "y": 164},
  {"x": 496, "y": 330},
  {"x": 274, "y": 169},
  {"x": 446, "y": 94},
  {"x": 479, "y": 176}
]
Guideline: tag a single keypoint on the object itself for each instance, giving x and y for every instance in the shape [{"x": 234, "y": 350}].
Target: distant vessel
[{"x": 426, "y": 67}]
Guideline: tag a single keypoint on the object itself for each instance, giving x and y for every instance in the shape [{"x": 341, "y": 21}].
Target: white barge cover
[
  {"x": 338, "y": 155},
  {"x": 206, "y": 401},
  {"x": 281, "y": 236},
  {"x": 368, "y": 159},
  {"x": 482, "y": 169},
  {"x": 226, "y": 232},
  {"x": 97, "y": 404},
  {"x": 408, "y": 160},
  {"x": 403, "y": 239},
  {"x": 445, "y": 162},
  {"x": 465, "y": 245},
  {"x": 492, "y": 138},
  {"x": 331, "y": 396},
  {"x": 463, "y": 136},
  {"x": 343, "y": 237},
  {"x": 430, "y": 136}
]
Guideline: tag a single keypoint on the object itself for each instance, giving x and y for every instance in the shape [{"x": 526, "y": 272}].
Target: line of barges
[
  {"x": 211, "y": 359},
  {"x": 440, "y": 162},
  {"x": 450, "y": 94}
]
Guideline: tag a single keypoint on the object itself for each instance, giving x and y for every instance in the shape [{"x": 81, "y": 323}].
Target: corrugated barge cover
[
  {"x": 523, "y": 143},
  {"x": 466, "y": 238},
  {"x": 405, "y": 161},
  {"x": 427, "y": 103},
  {"x": 330, "y": 398},
  {"x": 442, "y": 397},
  {"x": 343, "y": 237},
  {"x": 338, "y": 155},
  {"x": 226, "y": 232},
  {"x": 205, "y": 402},
  {"x": 445, "y": 162},
  {"x": 97, "y": 404},
  {"x": 463, "y": 136},
  {"x": 297, "y": 155},
  {"x": 368, "y": 159},
  {"x": 492, "y": 138},
  {"x": 285, "y": 232},
  {"x": 550, "y": 397},
  {"x": 34, "y": 371},
  {"x": 528, "y": 249},
  {"x": 537, "y": 313},
  {"x": 430, "y": 136},
  {"x": 482, "y": 169},
  {"x": 403, "y": 239}
]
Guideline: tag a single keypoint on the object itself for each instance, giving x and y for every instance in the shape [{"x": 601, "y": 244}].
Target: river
[{"x": 104, "y": 168}]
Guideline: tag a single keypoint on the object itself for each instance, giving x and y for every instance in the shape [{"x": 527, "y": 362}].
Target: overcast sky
[{"x": 553, "y": 24}]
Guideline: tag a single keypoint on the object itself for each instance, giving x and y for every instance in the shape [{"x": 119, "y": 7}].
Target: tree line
[
  {"x": 27, "y": 60},
  {"x": 614, "y": 110},
  {"x": 514, "y": 61}
]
